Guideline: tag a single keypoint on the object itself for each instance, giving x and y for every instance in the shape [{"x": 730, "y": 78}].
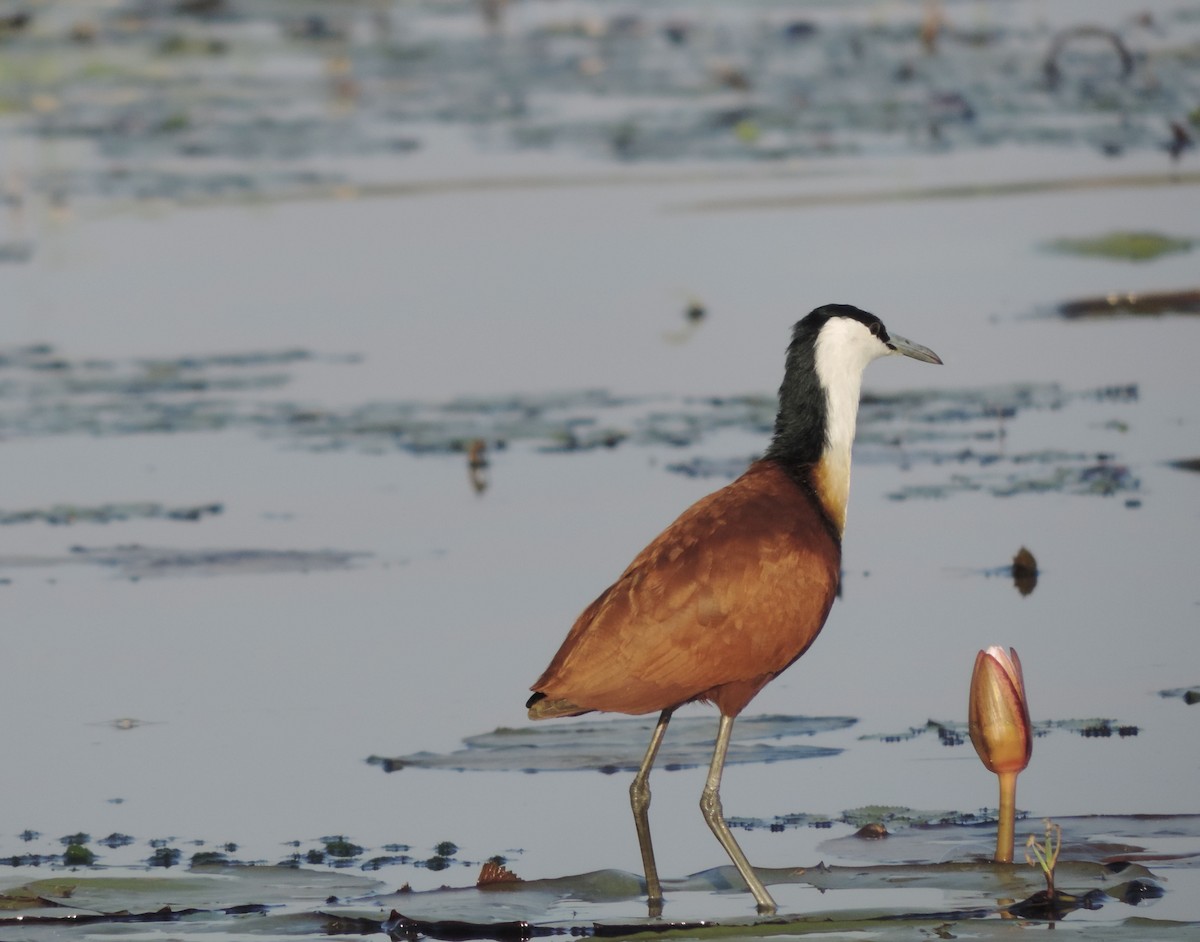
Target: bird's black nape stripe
[{"x": 799, "y": 437}]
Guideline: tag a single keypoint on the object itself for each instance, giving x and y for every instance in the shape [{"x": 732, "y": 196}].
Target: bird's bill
[{"x": 914, "y": 350}]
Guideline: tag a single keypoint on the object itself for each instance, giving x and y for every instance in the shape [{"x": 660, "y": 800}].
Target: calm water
[{"x": 262, "y": 694}]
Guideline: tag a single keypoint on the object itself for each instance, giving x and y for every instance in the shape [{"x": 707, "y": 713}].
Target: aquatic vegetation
[
  {"x": 1001, "y": 731},
  {"x": 1129, "y": 246},
  {"x": 1131, "y": 303},
  {"x": 955, "y": 734},
  {"x": 76, "y": 855},
  {"x": 192, "y": 111},
  {"x": 340, "y": 847},
  {"x": 1045, "y": 855},
  {"x": 611, "y": 746},
  {"x": 165, "y": 857},
  {"x": 44, "y": 393}
]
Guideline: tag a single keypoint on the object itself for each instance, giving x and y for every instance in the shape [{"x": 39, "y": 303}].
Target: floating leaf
[
  {"x": 143, "y": 562},
  {"x": 619, "y": 745},
  {"x": 1129, "y": 246}
]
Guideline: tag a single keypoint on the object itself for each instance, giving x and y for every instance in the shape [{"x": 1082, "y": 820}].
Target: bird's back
[{"x": 719, "y": 603}]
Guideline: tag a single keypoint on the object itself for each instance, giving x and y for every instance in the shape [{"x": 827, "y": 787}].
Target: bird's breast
[{"x": 729, "y": 594}]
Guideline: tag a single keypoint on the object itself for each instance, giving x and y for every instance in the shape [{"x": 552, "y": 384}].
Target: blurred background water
[{"x": 270, "y": 268}]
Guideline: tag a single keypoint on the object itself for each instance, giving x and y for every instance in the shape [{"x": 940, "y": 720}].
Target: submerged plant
[
  {"x": 998, "y": 720},
  {"x": 1045, "y": 855}
]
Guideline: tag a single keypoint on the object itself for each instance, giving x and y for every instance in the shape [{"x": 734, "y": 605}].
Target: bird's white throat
[{"x": 843, "y": 349}]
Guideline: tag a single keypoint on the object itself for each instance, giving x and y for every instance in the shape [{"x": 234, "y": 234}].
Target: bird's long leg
[
  {"x": 710, "y": 806},
  {"x": 639, "y": 798}
]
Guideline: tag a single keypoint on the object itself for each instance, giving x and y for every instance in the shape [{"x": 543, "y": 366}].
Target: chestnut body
[{"x": 721, "y": 602}]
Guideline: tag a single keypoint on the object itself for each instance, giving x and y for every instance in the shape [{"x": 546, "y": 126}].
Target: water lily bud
[{"x": 998, "y": 713}]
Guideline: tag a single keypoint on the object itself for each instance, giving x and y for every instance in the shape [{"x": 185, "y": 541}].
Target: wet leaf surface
[
  {"x": 618, "y": 745},
  {"x": 306, "y": 902}
]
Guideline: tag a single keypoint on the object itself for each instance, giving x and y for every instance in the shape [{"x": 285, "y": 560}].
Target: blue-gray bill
[{"x": 914, "y": 350}]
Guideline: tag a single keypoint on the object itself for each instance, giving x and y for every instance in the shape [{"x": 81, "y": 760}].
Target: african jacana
[{"x": 740, "y": 584}]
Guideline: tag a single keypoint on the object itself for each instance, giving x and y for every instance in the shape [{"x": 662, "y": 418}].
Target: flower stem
[{"x": 1008, "y": 813}]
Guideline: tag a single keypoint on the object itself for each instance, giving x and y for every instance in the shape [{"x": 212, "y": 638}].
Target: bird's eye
[{"x": 877, "y": 329}]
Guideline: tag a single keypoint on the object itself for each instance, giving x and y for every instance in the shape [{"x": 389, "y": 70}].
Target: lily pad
[
  {"x": 65, "y": 514},
  {"x": 1128, "y": 246},
  {"x": 142, "y": 562},
  {"x": 298, "y": 902},
  {"x": 619, "y": 745}
]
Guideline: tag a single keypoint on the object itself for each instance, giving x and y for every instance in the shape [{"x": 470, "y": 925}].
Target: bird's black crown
[{"x": 811, "y": 325}]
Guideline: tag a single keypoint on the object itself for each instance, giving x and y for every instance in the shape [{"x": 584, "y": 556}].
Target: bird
[{"x": 739, "y": 585}]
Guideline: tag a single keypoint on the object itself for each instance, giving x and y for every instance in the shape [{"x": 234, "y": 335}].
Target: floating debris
[
  {"x": 477, "y": 465},
  {"x": 125, "y": 722},
  {"x": 493, "y": 872},
  {"x": 135, "y": 561},
  {"x": 1024, "y": 571},
  {"x": 1147, "y": 304},
  {"x": 694, "y": 314},
  {"x": 1189, "y": 695}
]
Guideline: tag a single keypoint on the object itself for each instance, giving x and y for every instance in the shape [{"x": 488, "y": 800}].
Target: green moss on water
[
  {"x": 76, "y": 855},
  {"x": 1125, "y": 246}
]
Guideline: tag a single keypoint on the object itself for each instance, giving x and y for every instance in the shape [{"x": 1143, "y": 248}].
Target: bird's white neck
[{"x": 843, "y": 350}]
